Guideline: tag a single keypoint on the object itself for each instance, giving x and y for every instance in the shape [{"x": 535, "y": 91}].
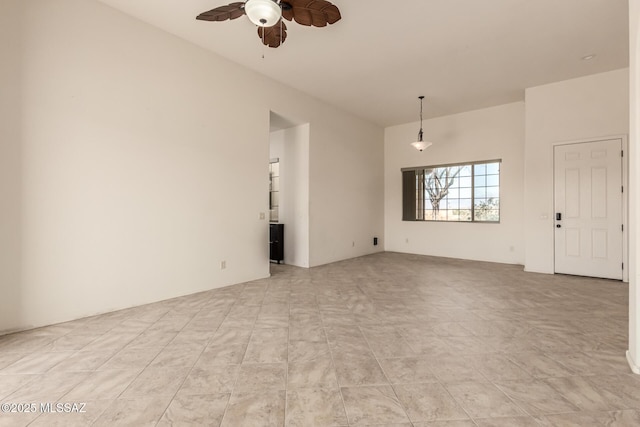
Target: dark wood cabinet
[{"x": 276, "y": 242}]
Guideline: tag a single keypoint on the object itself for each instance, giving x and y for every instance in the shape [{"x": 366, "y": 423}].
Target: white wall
[
  {"x": 487, "y": 134},
  {"x": 346, "y": 178},
  {"x": 10, "y": 164},
  {"x": 633, "y": 354},
  {"x": 291, "y": 146},
  {"x": 141, "y": 171},
  {"x": 572, "y": 110}
]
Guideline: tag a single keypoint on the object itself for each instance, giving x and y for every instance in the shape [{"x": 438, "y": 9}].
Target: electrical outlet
[
  {"x": 353, "y": 244},
  {"x": 406, "y": 240},
  {"x": 262, "y": 215},
  {"x": 223, "y": 265}
]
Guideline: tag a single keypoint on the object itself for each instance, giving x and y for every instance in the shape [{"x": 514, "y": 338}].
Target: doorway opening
[{"x": 289, "y": 190}]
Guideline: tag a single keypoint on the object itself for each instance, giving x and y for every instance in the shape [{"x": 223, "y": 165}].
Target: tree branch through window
[{"x": 465, "y": 192}]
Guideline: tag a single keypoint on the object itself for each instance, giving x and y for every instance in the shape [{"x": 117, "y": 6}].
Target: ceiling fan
[{"x": 268, "y": 14}]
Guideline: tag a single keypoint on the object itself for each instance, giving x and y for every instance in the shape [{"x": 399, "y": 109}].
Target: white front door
[{"x": 588, "y": 209}]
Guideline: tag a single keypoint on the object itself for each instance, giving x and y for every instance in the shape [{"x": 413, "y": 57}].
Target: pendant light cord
[{"x": 420, "y": 133}]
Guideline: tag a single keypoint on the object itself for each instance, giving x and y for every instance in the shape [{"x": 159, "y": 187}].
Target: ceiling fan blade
[
  {"x": 316, "y": 13},
  {"x": 273, "y": 36},
  {"x": 287, "y": 9},
  {"x": 223, "y": 13}
]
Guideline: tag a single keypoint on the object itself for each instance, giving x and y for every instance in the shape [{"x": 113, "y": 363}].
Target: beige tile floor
[{"x": 382, "y": 340}]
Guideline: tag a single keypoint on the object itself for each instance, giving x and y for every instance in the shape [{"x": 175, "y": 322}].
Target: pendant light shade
[
  {"x": 420, "y": 144},
  {"x": 263, "y": 13}
]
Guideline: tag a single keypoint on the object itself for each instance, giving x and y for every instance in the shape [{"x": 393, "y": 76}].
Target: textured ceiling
[{"x": 461, "y": 54}]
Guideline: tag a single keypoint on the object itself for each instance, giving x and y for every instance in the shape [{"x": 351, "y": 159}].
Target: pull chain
[{"x": 264, "y": 48}]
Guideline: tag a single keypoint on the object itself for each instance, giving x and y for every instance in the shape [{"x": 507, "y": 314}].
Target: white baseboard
[{"x": 634, "y": 366}]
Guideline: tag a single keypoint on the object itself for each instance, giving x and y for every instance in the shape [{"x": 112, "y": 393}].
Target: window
[{"x": 465, "y": 192}]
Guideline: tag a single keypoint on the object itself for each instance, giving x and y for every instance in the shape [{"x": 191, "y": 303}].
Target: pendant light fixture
[
  {"x": 263, "y": 13},
  {"x": 420, "y": 144}
]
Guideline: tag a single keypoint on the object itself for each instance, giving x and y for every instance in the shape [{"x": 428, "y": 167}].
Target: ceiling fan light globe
[
  {"x": 421, "y": 145},
  {"x": 263, "y": 13}
]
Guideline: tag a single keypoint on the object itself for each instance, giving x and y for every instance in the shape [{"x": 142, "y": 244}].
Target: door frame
[{"x": 624, "y": 139}]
